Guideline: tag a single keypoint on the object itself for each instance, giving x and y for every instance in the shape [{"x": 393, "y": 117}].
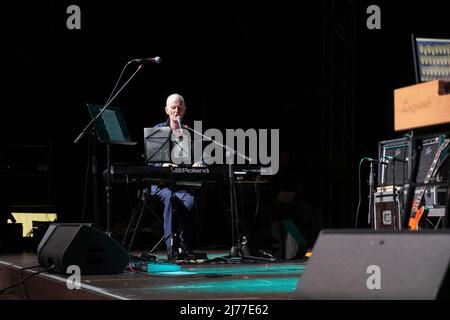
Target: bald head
[
  {"x": 175, "y": 98},
  {"x": 175, "y": 107}
]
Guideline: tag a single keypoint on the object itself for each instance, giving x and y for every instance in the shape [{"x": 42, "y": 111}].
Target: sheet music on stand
[
  {"x": 157, "y": 144},
  {"x": 111, "y": 127},
  {"x": 163, "y": 146}
]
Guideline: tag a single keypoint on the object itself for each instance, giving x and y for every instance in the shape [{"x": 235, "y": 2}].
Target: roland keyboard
[{"x": 121, "y": 173}]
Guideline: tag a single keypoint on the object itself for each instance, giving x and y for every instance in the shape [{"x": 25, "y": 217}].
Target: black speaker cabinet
[
  {"x": 360, "y": 265},
  {"x": 427, "y": 148},
  {"x": 66, "y": 244},
  {"x": 399, "y": 149}
]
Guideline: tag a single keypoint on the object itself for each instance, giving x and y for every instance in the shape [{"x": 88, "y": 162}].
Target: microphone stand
[
  {"x": 106, "y": 106},
  {"x": 94, "y": 169},
  {"x": 235, "y": 251},
  {"x": 394, "y": 189},
  {"x": 108, "y": 188},
  {"x": 371, "y": 217}
]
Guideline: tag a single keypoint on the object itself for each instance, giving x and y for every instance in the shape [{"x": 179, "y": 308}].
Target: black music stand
[
  {"x": 161, "y": 146},
  {"x": 157, "y": 144},
  {"x": 111, "y": 129}
]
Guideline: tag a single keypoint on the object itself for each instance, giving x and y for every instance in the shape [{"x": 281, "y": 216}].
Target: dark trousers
[{"x": 181, "y": 204}]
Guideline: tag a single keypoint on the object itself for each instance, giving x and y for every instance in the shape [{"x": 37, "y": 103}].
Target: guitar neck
[{"x": 429, "y": 175}]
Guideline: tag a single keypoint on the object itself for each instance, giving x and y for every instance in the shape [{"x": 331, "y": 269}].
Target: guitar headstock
[
  {"x": 439, "y": 152},
  {"x": 444, "y": 145}
]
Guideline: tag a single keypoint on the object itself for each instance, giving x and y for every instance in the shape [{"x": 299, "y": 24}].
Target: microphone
[
  {"x": 375, "y": 160},
  {"x": 394, "y": 158},
  {"x": 156, "y": 60},
  {"x": 179, "y": 124}
]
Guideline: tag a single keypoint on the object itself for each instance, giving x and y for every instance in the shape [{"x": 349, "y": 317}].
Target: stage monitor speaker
[
  {"x": 366, "y": 265},
  {"x": 93, "y": 251}
]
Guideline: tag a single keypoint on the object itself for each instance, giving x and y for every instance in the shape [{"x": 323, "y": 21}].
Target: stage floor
[{"x": 214, "y": 279}]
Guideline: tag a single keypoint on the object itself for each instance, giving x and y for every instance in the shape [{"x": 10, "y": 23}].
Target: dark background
[{"x": 252, "y": 65}]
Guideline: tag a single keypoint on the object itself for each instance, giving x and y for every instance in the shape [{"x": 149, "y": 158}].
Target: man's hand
[
  {"x": 199, "y": 164},
  {"x": 168, "y": 164}
]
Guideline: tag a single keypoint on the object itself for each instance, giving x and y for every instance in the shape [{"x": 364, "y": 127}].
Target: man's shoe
[{"x": 177, "y": 256}]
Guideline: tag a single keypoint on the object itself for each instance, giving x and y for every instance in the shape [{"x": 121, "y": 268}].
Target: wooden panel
[{"x": 421, "y": 105}]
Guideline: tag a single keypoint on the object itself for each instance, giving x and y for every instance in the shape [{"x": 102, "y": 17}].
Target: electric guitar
[{"x": 418, "y": 210}]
